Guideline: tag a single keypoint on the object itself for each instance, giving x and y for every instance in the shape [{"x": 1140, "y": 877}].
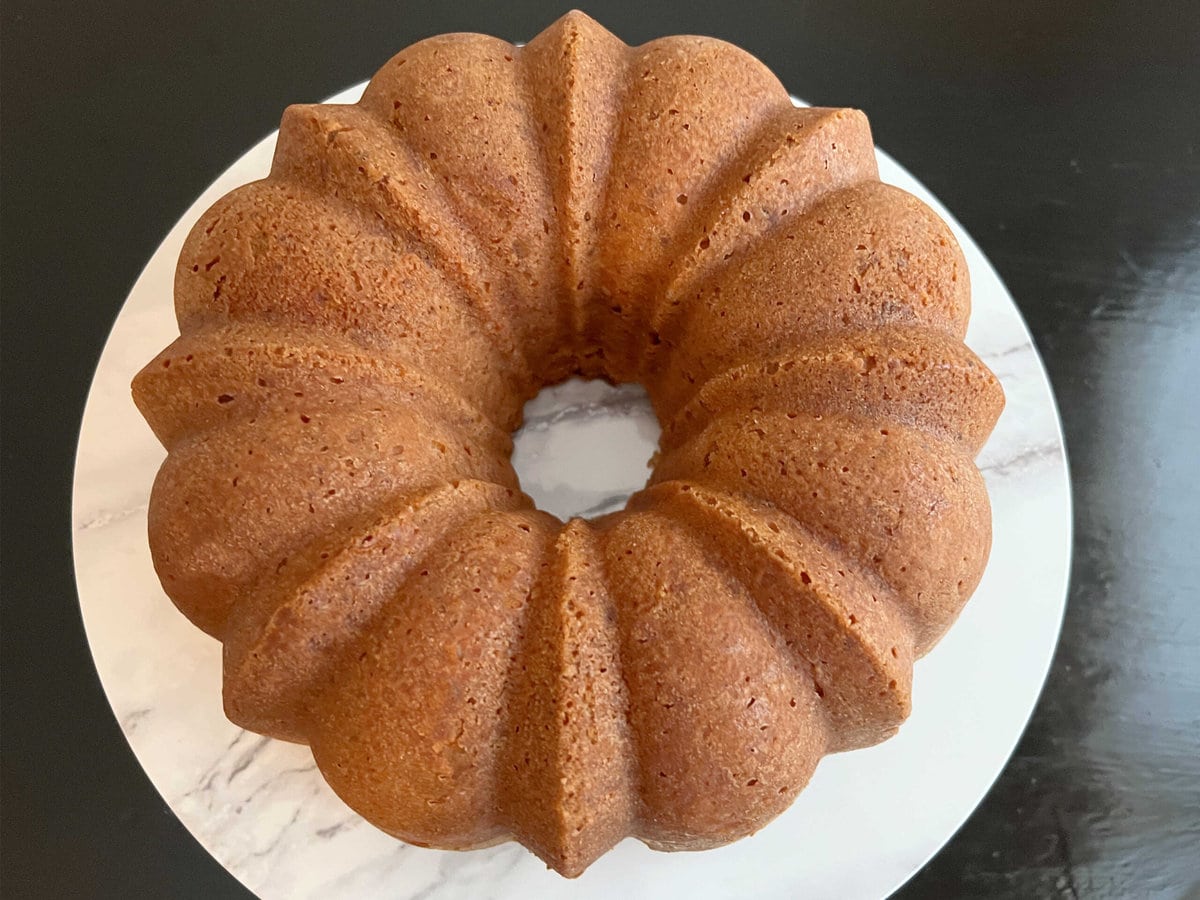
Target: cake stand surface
[{"x": 868, "y": 820}]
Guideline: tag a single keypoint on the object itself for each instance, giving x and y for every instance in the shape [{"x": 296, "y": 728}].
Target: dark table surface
[{"x": 1065, "y": 137}]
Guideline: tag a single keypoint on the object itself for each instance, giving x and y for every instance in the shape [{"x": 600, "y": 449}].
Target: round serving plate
[{"x": 868, "y": 820}]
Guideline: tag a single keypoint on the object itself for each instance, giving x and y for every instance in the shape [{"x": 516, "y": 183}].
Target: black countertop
[{"x": 1065, "y": 137}]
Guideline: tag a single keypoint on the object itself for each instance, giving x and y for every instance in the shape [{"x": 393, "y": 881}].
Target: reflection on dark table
[{"x": 1065, "y": 137}]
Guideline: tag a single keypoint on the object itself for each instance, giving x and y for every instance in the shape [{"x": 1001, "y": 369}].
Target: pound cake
[{"x": 359, "y": 332}]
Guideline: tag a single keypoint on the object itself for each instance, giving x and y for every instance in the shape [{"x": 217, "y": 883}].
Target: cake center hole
[{"x": 585, "y": 447}]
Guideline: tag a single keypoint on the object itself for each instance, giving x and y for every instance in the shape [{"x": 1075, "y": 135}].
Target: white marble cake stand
[{"x": 868, "y": 820}]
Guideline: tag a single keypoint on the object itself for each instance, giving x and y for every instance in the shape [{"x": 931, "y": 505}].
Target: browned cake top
[{"x": 359, "y": 333}]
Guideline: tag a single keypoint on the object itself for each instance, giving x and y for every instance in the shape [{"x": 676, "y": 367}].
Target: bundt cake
[{"x": 359, "y": 333}]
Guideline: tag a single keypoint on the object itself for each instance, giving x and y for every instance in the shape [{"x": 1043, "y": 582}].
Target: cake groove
[
  {"x": 459, "y": 107},
  {"x": 743, "y": 209},
  {"x": 222, "y": 512},
  {"x": 215, "y": 376},
  {"x": 927, "y": 535},
  {"x": 406, "y": 193},
  {"x": 280, "y": 643},
  {"x": 328, "y": 264},
  {"x": 674, "y": 604},
  {"x": 903, "y": 376},
  {"x": 829, "y": 619},
  {"x": 438, "y": 743},
  {"x": 782, "y": 290},
  {"x": 674, "y": 138}
]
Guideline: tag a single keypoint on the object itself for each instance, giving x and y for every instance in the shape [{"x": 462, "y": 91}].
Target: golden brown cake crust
[{"x": 358, "y": 335}]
